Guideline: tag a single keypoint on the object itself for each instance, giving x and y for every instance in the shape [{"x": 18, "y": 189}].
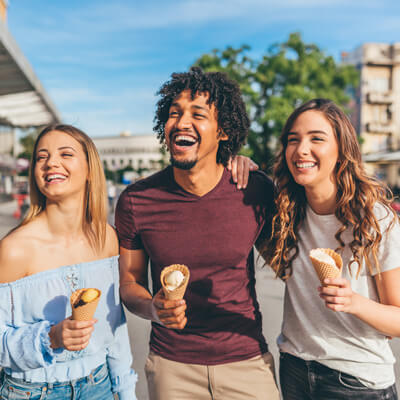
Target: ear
[{"x": 222, "y": 135}]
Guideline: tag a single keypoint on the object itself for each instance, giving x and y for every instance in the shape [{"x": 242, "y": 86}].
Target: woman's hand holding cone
[
  {"x": 71, "y": 335},
  {"x": 338, "y": 295},
  {"x": 170, "y": 313}
]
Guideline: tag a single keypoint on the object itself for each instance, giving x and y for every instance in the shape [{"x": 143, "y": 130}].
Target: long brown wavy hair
[
  {"x": 357, "y": 193},
  {"x": 95, "y": 201}
]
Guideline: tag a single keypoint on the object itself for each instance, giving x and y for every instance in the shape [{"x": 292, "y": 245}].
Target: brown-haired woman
[
  {"x": 63, "y": 244},
  {"x": 337, "y": 347}
]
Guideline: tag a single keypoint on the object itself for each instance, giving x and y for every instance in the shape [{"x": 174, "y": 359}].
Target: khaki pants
[{"x": 252, "y": 379}]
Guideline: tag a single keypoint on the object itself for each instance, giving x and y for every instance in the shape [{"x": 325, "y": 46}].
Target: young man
[{"x": 210, "y": 345}]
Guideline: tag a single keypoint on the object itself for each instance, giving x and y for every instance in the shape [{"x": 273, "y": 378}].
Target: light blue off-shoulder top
[{"x": 31, "y": 305}]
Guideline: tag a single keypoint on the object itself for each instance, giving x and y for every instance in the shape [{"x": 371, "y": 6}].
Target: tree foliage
[
  {"x": 287, "y": 75},
  {"x": 28, "y": 142}
]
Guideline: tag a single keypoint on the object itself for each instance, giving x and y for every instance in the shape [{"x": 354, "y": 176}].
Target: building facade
[
  {"x": 140, "y": 152},
  {"x": 378, "y": 107}
]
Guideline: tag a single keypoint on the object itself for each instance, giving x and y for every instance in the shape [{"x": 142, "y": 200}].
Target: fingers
[
  {"x": 243, "y": 172},
  {"x": 76, "y": 344},
  {"x": 170, "y": 313},
  {"x": 161, "y": 303},
  {"x": 340, "y": 282},
  {"x": 234, "y": 169},
  {"x": 338, "y": 297},
  {"x": 75, "y": 335},
  {"x": 172, "y": 317},
  {"x": 241, "y": 167},
  {"x": 253, "y": 166},
  {"x": 72, "y": 324},
  {"x": 175, "y": 322}
]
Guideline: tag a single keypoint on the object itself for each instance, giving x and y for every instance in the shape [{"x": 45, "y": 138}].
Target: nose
[
  {"x": 303, "y": 148},
  {"x": 183, "y": 122},
  {"x": 52, "y": 161}
]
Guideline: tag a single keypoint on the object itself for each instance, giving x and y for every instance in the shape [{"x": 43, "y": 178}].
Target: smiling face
[
  {"x": 312, "y": 152},
  {"x": 61, "y": 168},
  {"x": 191, "y": 131}
]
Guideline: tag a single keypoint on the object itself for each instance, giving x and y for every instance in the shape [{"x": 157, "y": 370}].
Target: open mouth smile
[
  {"x": 183, "y": 142},
  {"x": 305, "y": 165},
  {"x": 55, "y": 178}
]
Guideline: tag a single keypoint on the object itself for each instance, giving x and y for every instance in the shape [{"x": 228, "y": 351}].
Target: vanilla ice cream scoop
[
  {"x": 173, "y": 280},
  {"x": 321, "y": 256}
]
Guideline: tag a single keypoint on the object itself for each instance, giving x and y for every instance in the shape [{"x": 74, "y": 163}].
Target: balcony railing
[
  {"x": 376, "y": 127},
  {"x": 380, "y": 98}
]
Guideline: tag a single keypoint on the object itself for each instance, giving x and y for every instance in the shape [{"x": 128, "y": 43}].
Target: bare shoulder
[
  {"x": 16, "y": 251},
  {"x": 111, "y": 247}
]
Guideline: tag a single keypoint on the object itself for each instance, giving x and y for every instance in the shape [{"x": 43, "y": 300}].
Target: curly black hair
[{"x": 223, "y": 92}]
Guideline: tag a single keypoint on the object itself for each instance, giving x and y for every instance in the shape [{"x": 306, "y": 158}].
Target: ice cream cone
[
  {"x": 86, "y": 311},
  {"x": 178, "y": 293},
  {"x": 325, "y": 270}
]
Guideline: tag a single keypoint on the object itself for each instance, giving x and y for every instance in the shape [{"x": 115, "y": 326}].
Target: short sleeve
[
  {"x": 128, "y": 235},
  {"x": 389, "y": 249}
]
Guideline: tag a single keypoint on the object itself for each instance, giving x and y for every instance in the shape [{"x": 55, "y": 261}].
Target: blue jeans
[
  {"x": 310, "y": 380},
  {"x": 96, "y": 386}
]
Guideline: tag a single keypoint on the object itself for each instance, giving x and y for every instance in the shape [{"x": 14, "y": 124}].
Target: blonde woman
[
  {"x": 63, "y": 244},
  {"x": 335, "y": 340}
]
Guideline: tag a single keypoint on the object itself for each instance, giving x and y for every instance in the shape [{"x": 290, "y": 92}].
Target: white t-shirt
[{"x": 338, "y": 340}]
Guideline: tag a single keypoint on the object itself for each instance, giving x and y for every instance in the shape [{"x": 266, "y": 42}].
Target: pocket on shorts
[{"x": 351, "y": 382}]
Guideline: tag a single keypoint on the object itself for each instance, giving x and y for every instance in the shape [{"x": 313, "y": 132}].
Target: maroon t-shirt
[{"x": 213, "y": 235}]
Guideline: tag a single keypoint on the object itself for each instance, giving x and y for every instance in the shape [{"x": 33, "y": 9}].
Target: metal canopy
[{"x": 23, "y": 100}]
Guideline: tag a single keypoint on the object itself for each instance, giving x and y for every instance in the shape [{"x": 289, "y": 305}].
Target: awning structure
[
  {"x": 23, "y": 100},
  {"x": 392, "y": 156}
]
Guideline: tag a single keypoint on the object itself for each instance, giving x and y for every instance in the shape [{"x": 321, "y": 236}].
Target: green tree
[
  {"x": 287, "y": 75},
  {"x": 28, "y": 142}
]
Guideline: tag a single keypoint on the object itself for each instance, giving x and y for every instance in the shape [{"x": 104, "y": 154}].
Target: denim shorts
[
  {"x": 96, "y": 386},
  {"x": 310, "y": 380}
]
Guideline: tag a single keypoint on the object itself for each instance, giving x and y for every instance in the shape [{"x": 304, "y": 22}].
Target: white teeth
[
  {"x": 186, "y": 138},
  {"x": 305, "y": 165},
  {"x": 55, "y": 176}
]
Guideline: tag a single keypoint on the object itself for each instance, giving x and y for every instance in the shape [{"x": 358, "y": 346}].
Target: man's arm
[
  {"x": 135, "y": 295},
  {"x": 133, "y": 282}
]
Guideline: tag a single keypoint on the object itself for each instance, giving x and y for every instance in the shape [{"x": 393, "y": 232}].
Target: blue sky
[{"x": 102, "y": 62}]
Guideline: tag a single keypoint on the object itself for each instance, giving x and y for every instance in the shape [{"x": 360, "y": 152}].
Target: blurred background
[{"x": 98, "y": 65}]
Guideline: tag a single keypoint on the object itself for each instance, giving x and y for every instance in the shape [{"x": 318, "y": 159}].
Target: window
[{"x": 380, "y": 85}]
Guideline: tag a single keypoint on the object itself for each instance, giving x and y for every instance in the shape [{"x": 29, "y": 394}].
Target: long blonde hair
[
  {"x": 357, "y": 193},
  {"x": 95, "y": 201}
]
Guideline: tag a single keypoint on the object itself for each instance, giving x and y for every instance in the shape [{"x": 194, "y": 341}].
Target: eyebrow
[
  {"x": 206, "y": 109},
  {"x": 201, "y": 108},
  {"x": 309, "y": 132},
  {"x": 60, "y": 148}
]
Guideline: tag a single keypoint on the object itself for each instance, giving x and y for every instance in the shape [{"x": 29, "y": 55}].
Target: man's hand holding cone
[{"x": 168, "y": 304}]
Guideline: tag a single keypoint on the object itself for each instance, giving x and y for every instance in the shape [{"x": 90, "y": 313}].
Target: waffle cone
[
  {"x": 324, "y": 270},
  {"x": 86, "y": 311},
  {"x": 179, "y": 292}
]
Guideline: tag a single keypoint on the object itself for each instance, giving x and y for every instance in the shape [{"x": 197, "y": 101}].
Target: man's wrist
[{"x": 153, "y": 312}]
